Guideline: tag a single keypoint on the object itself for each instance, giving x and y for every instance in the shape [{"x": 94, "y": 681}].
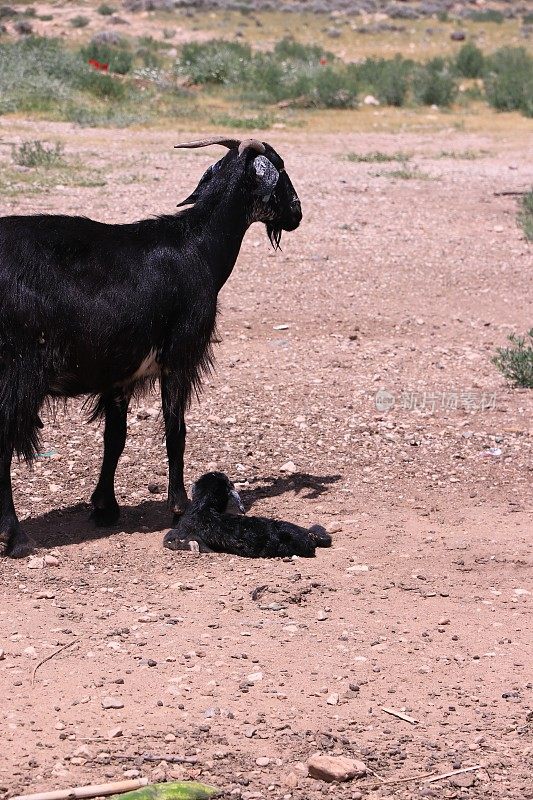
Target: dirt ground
[{"x": 393, "y": 284}]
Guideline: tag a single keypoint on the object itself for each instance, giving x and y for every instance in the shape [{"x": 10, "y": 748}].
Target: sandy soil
[{"x": 421, "y": 604}]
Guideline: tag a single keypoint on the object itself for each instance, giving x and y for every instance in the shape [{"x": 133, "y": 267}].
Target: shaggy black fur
[
  {"x": 101, "y": 310},
  {"x": 207, "y": 523}
]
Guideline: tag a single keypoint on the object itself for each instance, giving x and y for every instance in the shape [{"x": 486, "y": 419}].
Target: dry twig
[
  {"x": 52, "y": 655},
  {"x": 400, "y": 715},
  {"x": 454, "y": 772},
  {"x": 117, "y": 787}
]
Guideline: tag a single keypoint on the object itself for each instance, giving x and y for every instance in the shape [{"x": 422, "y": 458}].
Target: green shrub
[
  {"x": 79, "y": 21},
  {"x": 486, "y": 15},
  {"x": 260, "y": 122},
  {"x": 509, "y": 80},
  {"x": 470, "y": 61},
  {"x": 37, "y": 154},
  {"x": 215, "y": 62},
  {"x": 433, "y": 84},
  {"x": 119, "y": 58},
  {"x": 516, "y": 362},
  {"x": 388, "y": 80},
  {"x": 525, "y": 217},
  {"x": 105, "y": 10},
  {"x": 289, "y": 50},
  {"x": 527, "y": 19}
]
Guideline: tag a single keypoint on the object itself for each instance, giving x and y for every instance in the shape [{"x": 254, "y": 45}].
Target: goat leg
[
  {"x": 106, "y": 510},
  {"x": 17, "y": 542},
  {"x": 175, "y": 435}
]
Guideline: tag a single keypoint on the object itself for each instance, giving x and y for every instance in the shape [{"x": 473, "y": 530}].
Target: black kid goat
[
  {"x": 93, "y": 309},
  {"x": 206, "y": 527}
]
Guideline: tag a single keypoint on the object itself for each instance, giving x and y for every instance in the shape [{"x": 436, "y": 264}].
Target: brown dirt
[{"x": 405, "y": 285}]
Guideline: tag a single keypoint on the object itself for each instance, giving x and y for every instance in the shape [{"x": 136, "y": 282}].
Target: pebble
[
  {"x": 289, "y": 466},
  {"x": 2, "y": 654},
  {"x": 263, "y": 761},
  {"x": 332, "y": 699},
  {"x": 321, "y": 616},
  {"x": 112, "y": 702},
  {"x": 255, "y": 677},
  {"x": 334, "y": 768},
  {"x": 114, "y": 733},
  {"x": 334, "y": 527}
]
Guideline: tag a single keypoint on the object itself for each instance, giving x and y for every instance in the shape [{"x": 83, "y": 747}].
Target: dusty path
[{"x": 403, "y": 285}]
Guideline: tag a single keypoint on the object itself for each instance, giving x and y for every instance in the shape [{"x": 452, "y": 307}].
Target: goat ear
[{"x": 267, "y": 177}]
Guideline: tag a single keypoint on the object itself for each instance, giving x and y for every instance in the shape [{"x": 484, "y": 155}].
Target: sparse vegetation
[
  {"x": 516, "y": 361},
  {"x": 434, "y": 84},
  {"x": 470, "y": 61},
  {"x": 525, "y": 215},
  {"x": 79, "y": 21},
  {"x": 260, "y": 122},
  {"x": 105, "y": 10},
  {"x": 462, "y": 155},
  {"x": 37, "y": 154},
  {"x": 509, "y": 80},
  {"x": 486, "y": 15},
  {"x": 405, "y": 174},
  {"x": 377, "y": 157},
  {"x": 118, "y": 57}
]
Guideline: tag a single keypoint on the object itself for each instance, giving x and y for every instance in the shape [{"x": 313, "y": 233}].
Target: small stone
[
  {"x": 334, "y": 527},
  {"x": 332, "y": 699},
  {"x": 262, "y": 761},
  {"x": 51, "y": 561},
  {"x": 254, "y": 677},
  {"x": 115, "y": 733},
  {"x": 335, "y": 768},
  {"x": 370, "y": 100},
  {"x": 464, "y": 781},
  {"x": 249, "y": 731},
  {"x": 153, "y": 488},
  {"x": 321, "y": 616},
  {"x": 358, "y": 568},
  {"x": 37, "y": 562},
  {"x": 290, "y": 780},
  {"x": 2, "y": 654},
  {"x": 112, "y": 702},
  {"x": 289, "y": 466},
  {"x": 457, "y": 36},
  {"x": 444, "y": 621}
]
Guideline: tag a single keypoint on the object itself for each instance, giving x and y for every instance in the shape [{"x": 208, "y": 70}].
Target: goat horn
[
  {"x": 229, "y": 143},
  {"x": 252, "y": 144}
]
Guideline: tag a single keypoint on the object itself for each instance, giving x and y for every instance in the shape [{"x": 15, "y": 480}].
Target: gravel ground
[{"x": 247, "y": 668}]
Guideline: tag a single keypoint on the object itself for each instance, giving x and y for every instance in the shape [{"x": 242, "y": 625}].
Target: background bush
[
  {"x": 509, "y": 80},
  {"x": 470, "y": 61}
]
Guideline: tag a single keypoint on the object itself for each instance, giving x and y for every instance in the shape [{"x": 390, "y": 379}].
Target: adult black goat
[{"x": 93, "y": 309}]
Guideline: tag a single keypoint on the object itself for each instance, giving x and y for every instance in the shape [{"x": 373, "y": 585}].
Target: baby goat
[
  {"x": 205, "y": 526},
  {"x": 93, "y": 309}
]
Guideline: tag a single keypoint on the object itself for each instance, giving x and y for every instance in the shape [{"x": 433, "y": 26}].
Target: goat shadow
[{"x": 71, "y": 524}]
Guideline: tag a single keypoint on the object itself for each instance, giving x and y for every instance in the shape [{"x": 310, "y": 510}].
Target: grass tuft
[
  {"x": 516, "y": 362},
  {"x": 36, "y": 154},
  {"x": 525, "y": 216},
  {"x": 377, "y": 157}
]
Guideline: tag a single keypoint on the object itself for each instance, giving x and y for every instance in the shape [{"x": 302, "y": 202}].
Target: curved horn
[
  {"x": 252, "y": 144},
  {"x": 229, "y": 143}
]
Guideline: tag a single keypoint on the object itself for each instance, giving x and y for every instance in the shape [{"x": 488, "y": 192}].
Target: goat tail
[{"x": 21, "y": 396}]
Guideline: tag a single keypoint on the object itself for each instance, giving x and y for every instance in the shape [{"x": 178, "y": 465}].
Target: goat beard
[{"x": 274, "y": 234}]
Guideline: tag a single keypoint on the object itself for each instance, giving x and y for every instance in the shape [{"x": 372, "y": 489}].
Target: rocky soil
[{"x": 246, "y": 669}]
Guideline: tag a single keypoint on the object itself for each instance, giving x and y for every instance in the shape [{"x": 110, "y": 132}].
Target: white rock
[
  {"x": 289, "y": 466},
  {"x": 370, "y": 100}
]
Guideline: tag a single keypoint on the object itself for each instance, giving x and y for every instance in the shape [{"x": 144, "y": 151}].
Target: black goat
[
  {"x": 93, "y": 309},
  {"x": 206, "y": 527}
]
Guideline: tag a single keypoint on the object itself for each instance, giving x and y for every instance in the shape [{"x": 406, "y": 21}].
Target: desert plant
[
  {"x": 433, "y": 84},
  {"x": 119, "y": 57},
  {"x": 470, "y": 61},
  {"x": 525, "y": 215},
  {"x": 215, "y": 62},
  {"x": 486, "y": 15},
  {"x": 387, "y": 79},
  {"x": 105, "y": 10},
  {"x": 37, "y": 154},
  {"x": 79, "y": 21},
  {"x": 377, "y": 157},
  {"x": 509, "y": 80},
  {"x": 516, "y": 361}
]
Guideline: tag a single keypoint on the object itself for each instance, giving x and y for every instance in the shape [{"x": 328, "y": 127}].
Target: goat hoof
[
  {"x": 104, "y": 517},
  {"x": 19, "y": 546}
]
